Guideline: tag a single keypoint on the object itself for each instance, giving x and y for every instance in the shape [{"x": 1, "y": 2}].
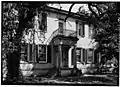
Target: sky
[{"x": 67, "y": 6}]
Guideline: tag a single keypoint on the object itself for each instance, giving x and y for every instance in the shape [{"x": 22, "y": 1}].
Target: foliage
[
  {"x": 104, "y": 17},
  {"x": 16, "y": 16}
]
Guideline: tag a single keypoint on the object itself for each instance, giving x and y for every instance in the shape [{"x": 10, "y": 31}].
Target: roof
[
  {"x": 36, "y": 4},
  {"x": 64, "y": 12}
]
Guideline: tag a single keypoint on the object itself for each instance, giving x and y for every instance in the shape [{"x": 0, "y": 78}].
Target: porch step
[{"x": 51, "y": 72}]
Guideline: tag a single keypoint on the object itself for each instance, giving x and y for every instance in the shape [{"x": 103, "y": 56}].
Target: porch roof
[
  {"x": 66, "y": 33},
  {"x": 87, "y": 43}
]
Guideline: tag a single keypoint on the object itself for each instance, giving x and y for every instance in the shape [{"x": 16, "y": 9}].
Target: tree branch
[
  {"x": 69, "y": 12},
  {"x": 89, "y": 6}
]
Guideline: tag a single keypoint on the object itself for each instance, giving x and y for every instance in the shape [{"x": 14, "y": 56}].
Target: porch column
[
  {"x": 52, "y": 55},
  {"x": 59, "y": 59},
  {"x": 70, "y": 57},
  {"x": 99, "y": 58}
]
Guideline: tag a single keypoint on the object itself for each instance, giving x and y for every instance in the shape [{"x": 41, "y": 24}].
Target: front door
[{"x": 65, "y": 56}]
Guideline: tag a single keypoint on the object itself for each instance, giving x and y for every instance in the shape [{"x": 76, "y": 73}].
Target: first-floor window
[
  {"x": 42, "y": 54},
  {"x": 90, "y": 57},
  {"x": 78, "y": 55},
  {"x": 37, "y": 53}
]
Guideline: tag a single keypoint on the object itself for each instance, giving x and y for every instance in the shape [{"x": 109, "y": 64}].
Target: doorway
[{"x": 65, "y": 56}]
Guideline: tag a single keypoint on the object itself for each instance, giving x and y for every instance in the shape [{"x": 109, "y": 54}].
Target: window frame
[
  {"x": 79, "y": 54},
  {"x": 80, "y": 29},
  {"x": 44, "y": 53},
  {"x": 92, "y": 56},
  {"x": 64, "y": 25}
]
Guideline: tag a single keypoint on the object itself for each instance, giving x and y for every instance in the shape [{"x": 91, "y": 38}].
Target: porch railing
[{"x": 63, "y": 32}]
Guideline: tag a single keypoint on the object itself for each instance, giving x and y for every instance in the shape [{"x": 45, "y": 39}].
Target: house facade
[{"x": 66, "y": 44}]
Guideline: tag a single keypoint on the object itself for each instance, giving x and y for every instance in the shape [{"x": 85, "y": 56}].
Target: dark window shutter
[
  {"x": 30, "y": 53},
  {"x": 37, "y": 54},
  {"x": 72, "y": 56},
  {"x": 80, "y": 28},
  {"x": 83, "y": 30},
  {"x": 96, "y": 58},
  {"x": 83, "y": 55},
  {"x": 49, "y": 54}
]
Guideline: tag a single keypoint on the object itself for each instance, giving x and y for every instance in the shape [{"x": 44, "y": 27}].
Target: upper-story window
[
  {"x": 80, "y": 29},
  {"x": 61, "y": 25},
  {"x": 91, "y": 31},
  {"x": 43, "y": 22}
]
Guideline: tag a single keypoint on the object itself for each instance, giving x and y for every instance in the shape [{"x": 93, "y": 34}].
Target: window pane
[
  {"x": 78, "y": 55},
  {"x": 41, "y": 53},
  {"x": 81, "y": 29},
  {"x": 90, "y": 56},
  {"x": 61, "y": 27}
]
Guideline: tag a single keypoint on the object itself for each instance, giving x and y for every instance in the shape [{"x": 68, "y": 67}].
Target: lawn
[{"x": 106, "y": 79}]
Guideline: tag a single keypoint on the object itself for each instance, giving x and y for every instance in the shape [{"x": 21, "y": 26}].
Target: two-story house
[{"x": 67, "y": 44}]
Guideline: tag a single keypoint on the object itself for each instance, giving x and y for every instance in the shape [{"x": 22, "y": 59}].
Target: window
[
  {"x": 90, "y": 57},
  {"x": 90, "y": 30},
  {"x": 61, "y": 25},
  {"x": 78, "y": 55},
  {"x": 43, "y": 23},
  {"x": 42, "y": 54},
  {"x": 37, "y": 53},
  {"x": 80, "y": 29}
]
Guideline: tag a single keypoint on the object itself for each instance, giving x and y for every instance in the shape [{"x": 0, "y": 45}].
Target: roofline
[{"x": 64, "y": 12}]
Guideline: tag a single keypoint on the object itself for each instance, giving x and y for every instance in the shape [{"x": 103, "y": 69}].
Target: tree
[
  {"x": 15, "y": 18},
  {"x": 104, "y": 17}
]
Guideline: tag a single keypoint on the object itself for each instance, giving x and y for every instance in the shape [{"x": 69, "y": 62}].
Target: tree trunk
[{"x": 13, "y": 60}]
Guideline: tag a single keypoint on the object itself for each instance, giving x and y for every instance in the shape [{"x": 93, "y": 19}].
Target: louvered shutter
[{"x": 49, "y": 54}]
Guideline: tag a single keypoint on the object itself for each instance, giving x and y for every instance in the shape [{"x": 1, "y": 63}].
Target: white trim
[{"x": 70, "y": 57}]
